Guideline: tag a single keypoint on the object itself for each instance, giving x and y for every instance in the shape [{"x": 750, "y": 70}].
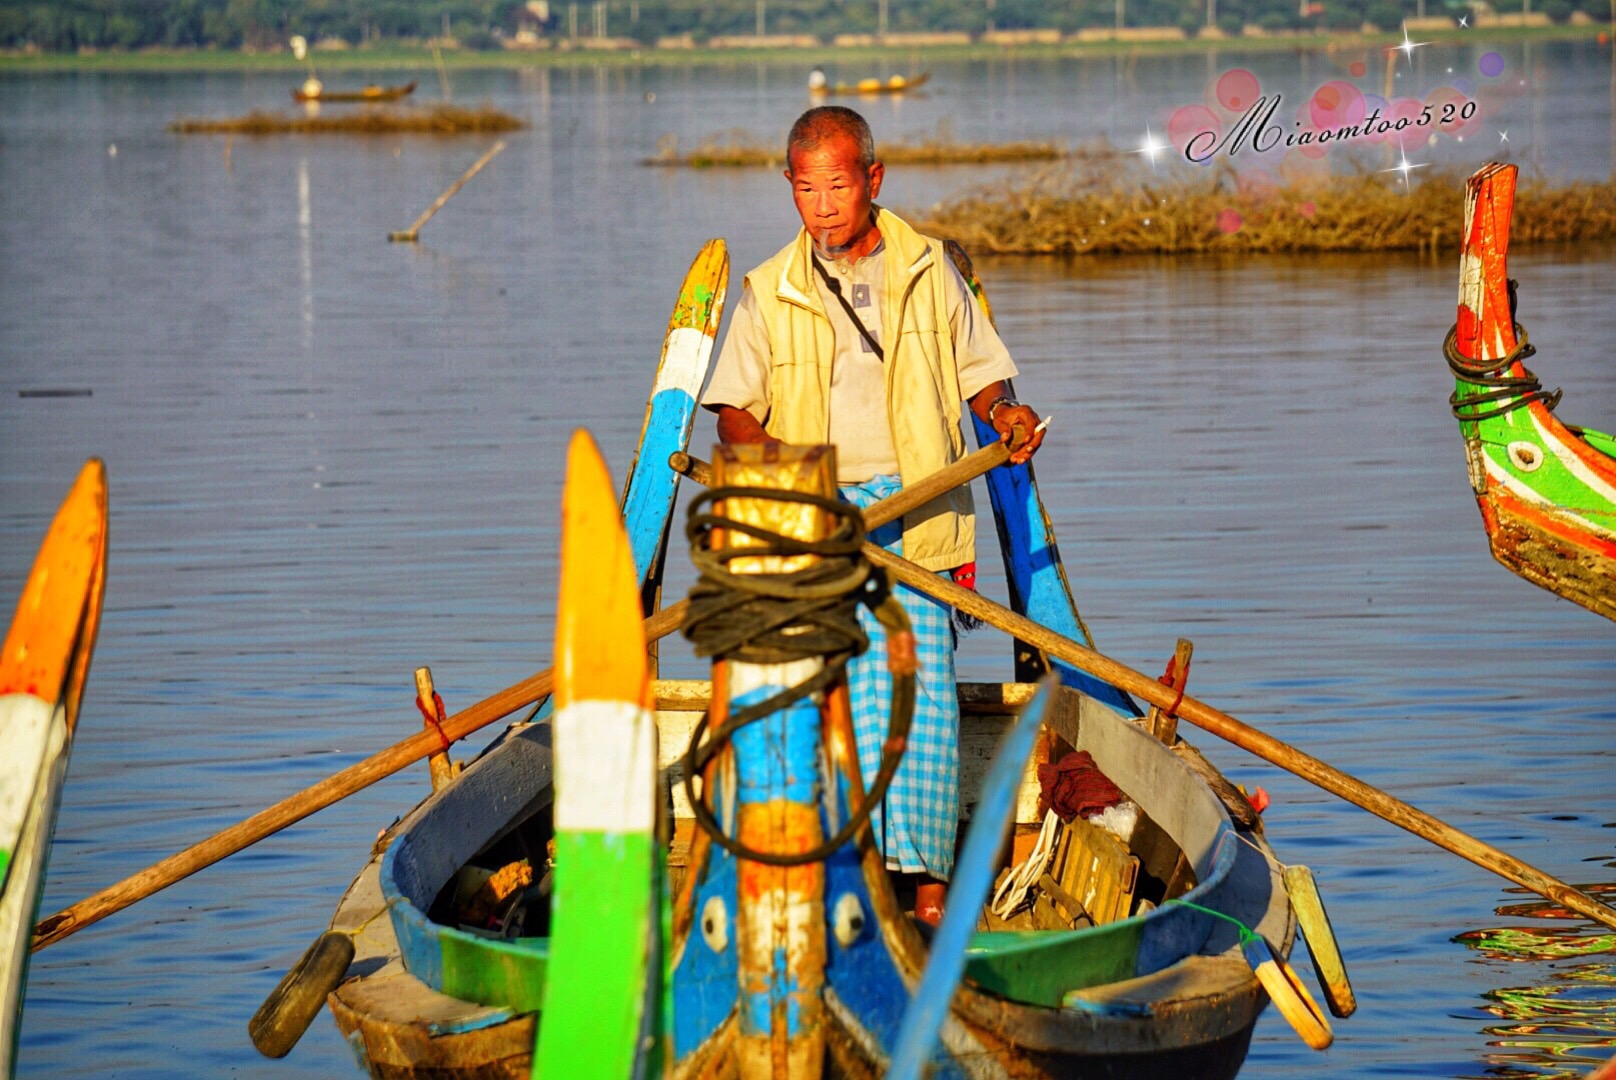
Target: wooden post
[
  {"x": 409, "y": 235},
  {"x": 1160, "y": 723},
  {"x": 427, "y": 700},
  {"x": 780, "y": 909}
]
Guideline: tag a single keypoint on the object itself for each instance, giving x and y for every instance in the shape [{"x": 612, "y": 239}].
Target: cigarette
[{"x": 1043, "y": 423}]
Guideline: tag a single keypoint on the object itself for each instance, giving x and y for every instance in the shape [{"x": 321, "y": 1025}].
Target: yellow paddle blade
[
  {"x": 47, "y": 650},
  {"x": 600, "y": 639}
]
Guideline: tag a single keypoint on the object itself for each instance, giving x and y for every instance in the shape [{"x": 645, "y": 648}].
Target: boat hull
[
  {"x": 401, "y": 1029},
  {"x": 1191, "y": 1017},
  {"x": 370, "y": 93},
  {"x": 1546, "y": 491},
  {"x": 1551, "y": 549}
]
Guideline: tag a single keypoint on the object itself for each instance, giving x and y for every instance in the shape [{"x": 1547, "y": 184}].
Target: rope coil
[
  {"x": 1514, "y": 391},
  {"x": 778, "y": 618}
]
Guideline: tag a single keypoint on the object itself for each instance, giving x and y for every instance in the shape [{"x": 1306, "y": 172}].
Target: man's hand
[
  {"x": 1016, "y": 423},
  {"x": 739, "y": 426},
  {"x": 1018, "y": 426}
]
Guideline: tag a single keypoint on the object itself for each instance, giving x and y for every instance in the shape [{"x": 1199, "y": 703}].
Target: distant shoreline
[{"x": 420, "y": 57}]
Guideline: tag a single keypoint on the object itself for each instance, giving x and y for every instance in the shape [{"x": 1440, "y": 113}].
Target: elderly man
[{"x": 862, "y": 334}]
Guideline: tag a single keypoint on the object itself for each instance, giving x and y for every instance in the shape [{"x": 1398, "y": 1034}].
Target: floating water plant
[{"x": 1078, "y": 212}]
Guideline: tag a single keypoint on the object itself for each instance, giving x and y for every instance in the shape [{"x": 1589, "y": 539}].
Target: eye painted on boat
[
  {"x": 715, "y": 924},
  {"x": 1525, "y": 456},
  {"x": 848, "y": 916}
]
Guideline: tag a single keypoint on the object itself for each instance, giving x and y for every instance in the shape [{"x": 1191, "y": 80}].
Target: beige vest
[{"x": 923, "y": 392}]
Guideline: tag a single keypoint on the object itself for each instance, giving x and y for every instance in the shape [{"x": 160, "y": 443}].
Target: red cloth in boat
[{"x": 1074, "y": 785}]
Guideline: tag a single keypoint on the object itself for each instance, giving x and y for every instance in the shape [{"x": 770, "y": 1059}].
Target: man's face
[{"x": 833, "y": 195}]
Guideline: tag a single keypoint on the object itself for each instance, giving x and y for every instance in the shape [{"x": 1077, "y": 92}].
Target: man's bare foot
[{"x": 929, "y": 902}]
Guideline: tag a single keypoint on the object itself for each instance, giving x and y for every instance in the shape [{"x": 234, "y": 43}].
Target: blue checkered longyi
[{"x": 916, "y": 823}]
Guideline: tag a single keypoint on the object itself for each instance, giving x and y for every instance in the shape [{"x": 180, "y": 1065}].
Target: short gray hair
[{"x": 828, "y": 121}]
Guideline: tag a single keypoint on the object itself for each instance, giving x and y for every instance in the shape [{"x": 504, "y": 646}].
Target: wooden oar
[
  {"x": 968, "y": 891},
  {"x": 1248, "y": 738},
  {"x": 356, "y": 777},
  {"x": 1221, "y": 724}
]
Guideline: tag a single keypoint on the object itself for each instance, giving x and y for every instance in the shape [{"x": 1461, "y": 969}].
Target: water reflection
[
  {"x": 305, "y": 250},
  {"x": 1567, "y": 1025}
]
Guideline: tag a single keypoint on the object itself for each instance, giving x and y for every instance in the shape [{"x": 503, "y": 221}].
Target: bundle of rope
[
  {"x": 1514, "y": 391},
  {"x": 777, "y": 618}
]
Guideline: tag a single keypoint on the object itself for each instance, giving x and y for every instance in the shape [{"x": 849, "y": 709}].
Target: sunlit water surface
[{"x": 334, "y": 459}]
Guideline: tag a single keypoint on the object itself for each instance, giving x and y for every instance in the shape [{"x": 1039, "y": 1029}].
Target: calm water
[{"x": 333, "y": 459}]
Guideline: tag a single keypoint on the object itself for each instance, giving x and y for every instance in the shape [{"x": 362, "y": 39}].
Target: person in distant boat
[{"x": 861, "y": 333}]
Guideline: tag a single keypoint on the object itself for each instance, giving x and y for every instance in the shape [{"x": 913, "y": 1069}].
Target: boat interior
[{"x": 1091, "y": 871}]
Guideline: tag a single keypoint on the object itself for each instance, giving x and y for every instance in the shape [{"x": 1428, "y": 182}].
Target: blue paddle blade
[{"x": 973, "y": 877}]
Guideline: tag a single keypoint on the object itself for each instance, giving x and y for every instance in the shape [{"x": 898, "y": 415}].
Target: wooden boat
[
  {"x": 457, "y": 944},
  {"x": 897, "y": 84},
  {"x": 43, "y": 665},
  {"x": 1163, "y": 988},
  {"x": 1546, "y": 489},
  {"x": 368, "y": 93}
]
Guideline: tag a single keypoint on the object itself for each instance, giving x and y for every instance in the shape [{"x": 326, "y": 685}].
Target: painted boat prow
[
  {"x": 670, "y": 411},
  {"x": 602, "y": 1001},
  {"x": 1546, "y": 491},
  {"x": 44, "y": 663}
]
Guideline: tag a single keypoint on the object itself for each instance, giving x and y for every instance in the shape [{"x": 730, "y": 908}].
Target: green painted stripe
[
  {"x": 1039, "y": 967},
  {"x": 601, "y": 925},
  {"x": 510, "y": 973}
]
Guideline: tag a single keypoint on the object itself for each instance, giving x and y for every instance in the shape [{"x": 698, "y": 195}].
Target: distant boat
[
  {"x": 817, "y": 84},
  {"x": 313, "y": 91}
]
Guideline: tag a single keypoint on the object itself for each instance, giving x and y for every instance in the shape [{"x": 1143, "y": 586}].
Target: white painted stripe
[
  {"x": 1578, "y": 468},
  {"x": 744, "y": 678},
  {"x": 605, "y": 755},
  {"x": 684, "y": 361},
  {"x": 779, "y": 919},
  {"x": 24, "y": 715},
  {"x": 29, "y": 730}
]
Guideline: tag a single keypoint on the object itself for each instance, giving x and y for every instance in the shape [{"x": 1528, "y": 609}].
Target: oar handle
[{"x": 356, "y": 777}]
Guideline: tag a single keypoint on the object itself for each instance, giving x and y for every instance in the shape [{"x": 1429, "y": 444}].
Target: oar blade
[
  {"x": 602, "y": 987},
  {"x": 973, "y": 878}
]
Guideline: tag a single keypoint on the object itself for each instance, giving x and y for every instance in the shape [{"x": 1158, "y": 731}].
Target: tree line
[{"x": 68, "y": 25}]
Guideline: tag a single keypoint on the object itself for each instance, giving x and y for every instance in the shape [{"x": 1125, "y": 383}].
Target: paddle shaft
[
  {"x": 356, "y": 777},
  {"x": 1248, "y": 738}
]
